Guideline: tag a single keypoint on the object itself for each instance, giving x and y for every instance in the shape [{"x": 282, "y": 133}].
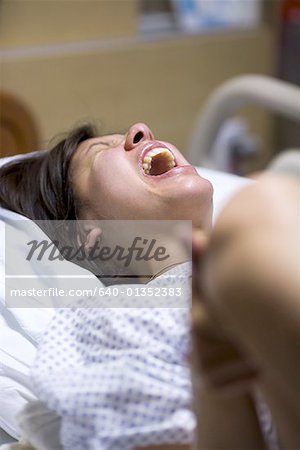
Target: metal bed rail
[{"x": 277, "y": 96}]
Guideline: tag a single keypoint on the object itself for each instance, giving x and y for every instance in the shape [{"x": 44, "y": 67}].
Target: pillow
[{"x": 11, "y": 158}]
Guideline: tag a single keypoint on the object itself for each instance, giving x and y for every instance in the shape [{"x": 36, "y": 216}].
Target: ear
[{"x": 89, "y": 236}]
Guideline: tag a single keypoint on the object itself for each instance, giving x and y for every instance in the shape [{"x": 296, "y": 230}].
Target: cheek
[
  {"x": 113, "y": 190},
  {"x": 196, "y": 200}
]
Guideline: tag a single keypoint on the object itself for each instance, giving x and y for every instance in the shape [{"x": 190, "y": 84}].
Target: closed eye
[
  {"x": 97, "y": 144},
  {"x": 110, "y": 143},
  {"x": 106, "y": 144}
]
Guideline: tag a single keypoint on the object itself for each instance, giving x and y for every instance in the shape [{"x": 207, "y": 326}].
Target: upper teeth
[{"x": 161, "y": 150}]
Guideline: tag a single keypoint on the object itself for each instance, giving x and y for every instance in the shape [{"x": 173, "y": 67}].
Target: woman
[{"x": 132, "y": 386}]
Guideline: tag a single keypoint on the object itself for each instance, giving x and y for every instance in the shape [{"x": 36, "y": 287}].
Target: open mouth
[{"x": 158, "y": 161}]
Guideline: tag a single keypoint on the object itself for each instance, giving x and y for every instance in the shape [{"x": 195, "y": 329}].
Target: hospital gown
[{"x": 119, "y": 377}]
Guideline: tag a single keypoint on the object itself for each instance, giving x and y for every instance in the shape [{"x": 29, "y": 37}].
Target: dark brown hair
[{"x": 38, "y": 186}]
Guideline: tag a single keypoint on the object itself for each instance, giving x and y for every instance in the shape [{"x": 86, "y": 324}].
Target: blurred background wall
[{"x": 68, "y": 61}]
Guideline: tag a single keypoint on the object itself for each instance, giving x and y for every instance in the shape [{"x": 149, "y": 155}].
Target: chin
[
  {"x": 194, "y": 203},
  {"x": 193, "y": 186}
]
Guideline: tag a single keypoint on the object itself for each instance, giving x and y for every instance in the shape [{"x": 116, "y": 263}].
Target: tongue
[{"x": 159, "y": 165}]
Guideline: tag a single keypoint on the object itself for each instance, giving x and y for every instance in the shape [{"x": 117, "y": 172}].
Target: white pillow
[{"x": 7, "y": 159}]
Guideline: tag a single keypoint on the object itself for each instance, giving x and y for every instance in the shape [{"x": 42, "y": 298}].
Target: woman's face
[{"x": 134, "y": 176}]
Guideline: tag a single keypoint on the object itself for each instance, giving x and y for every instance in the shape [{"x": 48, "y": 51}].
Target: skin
[{"x": 110, "y": 184}]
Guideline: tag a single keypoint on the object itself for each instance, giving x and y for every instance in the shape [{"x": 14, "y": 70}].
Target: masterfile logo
[{"x": 54, "y": 263}]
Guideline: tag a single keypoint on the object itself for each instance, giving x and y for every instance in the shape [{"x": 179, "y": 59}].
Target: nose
[{"x": 136, "y": 134}]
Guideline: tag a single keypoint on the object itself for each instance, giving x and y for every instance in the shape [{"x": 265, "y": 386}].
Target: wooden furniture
[{"x": 18, "y": 130}]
